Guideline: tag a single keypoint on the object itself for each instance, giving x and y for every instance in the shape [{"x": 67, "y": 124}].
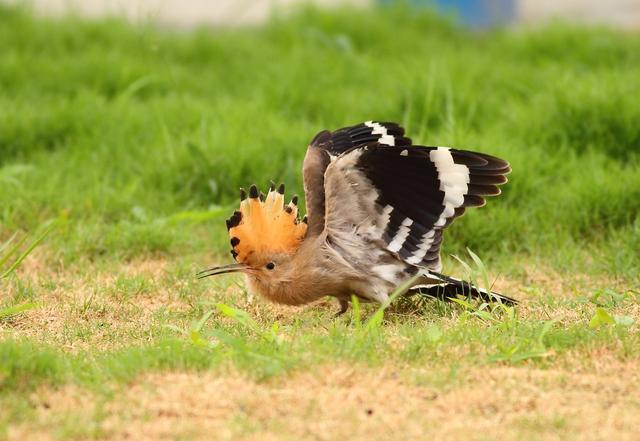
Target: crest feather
[{"x": 264, "y": 225}]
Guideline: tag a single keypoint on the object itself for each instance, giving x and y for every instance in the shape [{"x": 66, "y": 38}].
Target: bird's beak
[{"x": 231, "y": 268}]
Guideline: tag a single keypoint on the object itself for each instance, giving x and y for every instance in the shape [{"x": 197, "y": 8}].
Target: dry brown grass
[
  {"x": 79, "y": 309},
  {"x": 359, "y": 403}
]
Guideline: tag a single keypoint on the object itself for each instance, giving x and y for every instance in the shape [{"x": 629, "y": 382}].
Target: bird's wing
[
  {"x": 346, "y": 138},
  {"x": 326, "y": 147},
  {"x": 402, "y": 198}
]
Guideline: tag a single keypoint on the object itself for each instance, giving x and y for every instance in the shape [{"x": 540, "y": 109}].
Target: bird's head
[{"x": 265, "y": 234}]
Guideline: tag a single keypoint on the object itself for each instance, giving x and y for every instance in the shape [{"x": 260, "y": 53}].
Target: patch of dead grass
[
  {"x": 79, "y": 308},
  {"x": 360, "y": 403}
]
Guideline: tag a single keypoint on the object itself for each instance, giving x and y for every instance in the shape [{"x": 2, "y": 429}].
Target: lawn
[{"x": 122, "y": 147}]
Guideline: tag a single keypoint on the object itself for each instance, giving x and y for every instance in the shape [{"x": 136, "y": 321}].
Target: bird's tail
[{"x": 447, "y": 288}]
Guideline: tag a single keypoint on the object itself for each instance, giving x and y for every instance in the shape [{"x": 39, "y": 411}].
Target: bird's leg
[{"x": 344, "y": 305}]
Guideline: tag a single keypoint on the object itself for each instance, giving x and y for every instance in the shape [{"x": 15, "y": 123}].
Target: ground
[
  {"x": 355, "y": 402},
  {"x": 122, "y": 149},
  {"x": 429, "y": 370}
]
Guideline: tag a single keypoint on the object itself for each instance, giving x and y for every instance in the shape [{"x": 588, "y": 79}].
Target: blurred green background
[{"x": 136, "y": 138}]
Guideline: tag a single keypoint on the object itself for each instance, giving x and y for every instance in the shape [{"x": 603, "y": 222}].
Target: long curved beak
[{"x": 231, "y": 268}]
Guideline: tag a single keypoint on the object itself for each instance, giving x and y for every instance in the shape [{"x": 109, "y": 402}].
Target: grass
[
  {"x": 97, "y": 337},
  {"x": 127, "y": 145},
  {"x": 152, "y": 132}
]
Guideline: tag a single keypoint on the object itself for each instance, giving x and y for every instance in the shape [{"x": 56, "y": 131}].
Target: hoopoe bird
[{"x": 376, "y": 205}]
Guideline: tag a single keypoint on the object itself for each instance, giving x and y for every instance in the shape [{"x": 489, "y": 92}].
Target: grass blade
[
  {"x": 7, "y": 243},
  {"x": 355, "y": 304},
  {"x": 10, "y": 311},
  {"x": 12, "y": 250},
  {"x": 24, "y": 255},
  {"x": 482, "y": 269},
  {"x": 376, "y": 319}
]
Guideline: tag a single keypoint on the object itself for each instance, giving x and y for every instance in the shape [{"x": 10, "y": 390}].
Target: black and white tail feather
[
  {"x": 382, "y": 189},
  {"x": 451, "y": 288}
]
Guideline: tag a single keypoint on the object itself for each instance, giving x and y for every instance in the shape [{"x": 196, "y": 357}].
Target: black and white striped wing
[
  {"x": 404, "y": 198},
  {"x": 346, "y": 138},
  {"x": 326, "y": 147}
]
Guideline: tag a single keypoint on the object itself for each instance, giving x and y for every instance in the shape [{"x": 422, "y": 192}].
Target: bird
[{"x": 376, "y": 209}]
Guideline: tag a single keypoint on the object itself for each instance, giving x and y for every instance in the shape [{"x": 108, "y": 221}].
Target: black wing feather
[
  {"x": 326, "y": 146},
  {"x": 409, "y": 181},
  {"x": 346, "y": 138}
]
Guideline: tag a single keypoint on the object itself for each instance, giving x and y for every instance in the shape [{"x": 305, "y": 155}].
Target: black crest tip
[
  {"x": 234, "y": 220},
  {"x": 281, "y": 189},
  {"x": 253, "y": 191},
  {"x": 288, "y": 209},
  {"x": 243, "y": 194},
  {"x": 234, "y": 241},
  {"x": 272, "y": 185},
  {"x": 294, "y": 199}
]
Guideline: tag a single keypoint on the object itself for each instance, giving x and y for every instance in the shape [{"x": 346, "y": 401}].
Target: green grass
[
  {"x": 137, "y": 138},
  {"x": 131, "y": 142},
  {"x": 258, "y": 347}
]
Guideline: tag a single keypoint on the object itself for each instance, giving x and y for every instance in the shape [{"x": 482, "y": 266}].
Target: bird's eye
[{"x": 270, "y": 266}]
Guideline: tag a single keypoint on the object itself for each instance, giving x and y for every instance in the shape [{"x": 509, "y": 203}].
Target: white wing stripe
[
  {"x": 379, "y": 129},
  {"x": 423, "y": 248},
  {"x": 401, "y": 235},
  {"x": 454, "y": 180}
]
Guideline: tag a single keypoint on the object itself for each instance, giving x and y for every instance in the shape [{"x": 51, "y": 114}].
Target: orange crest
[{"x": 264, "y": 225}]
